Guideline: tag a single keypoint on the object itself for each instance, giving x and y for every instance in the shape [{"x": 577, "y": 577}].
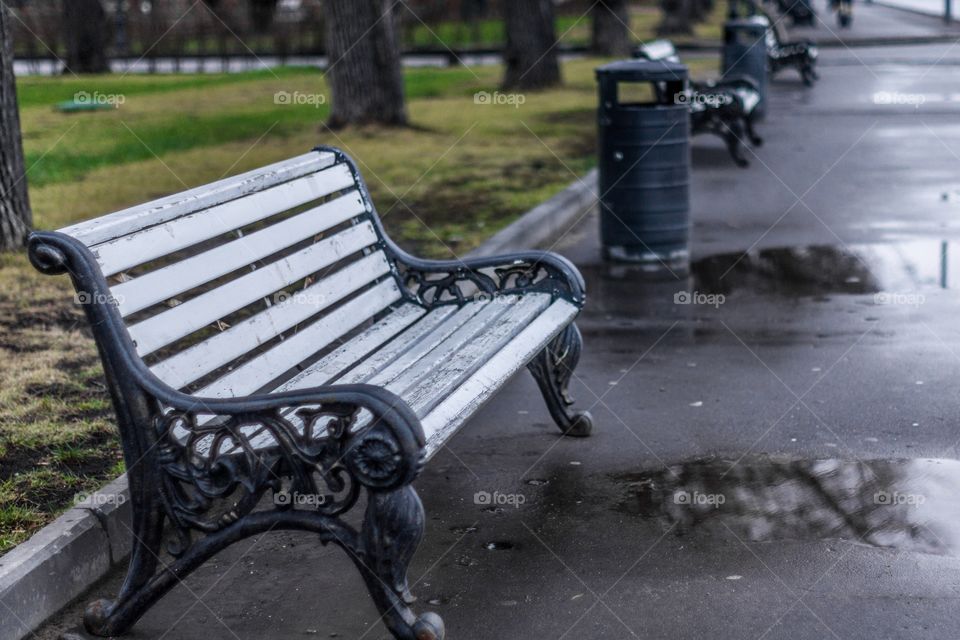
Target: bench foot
[
  {"x": 552, "y": 369},
  {"x": 392, "y": 531}
]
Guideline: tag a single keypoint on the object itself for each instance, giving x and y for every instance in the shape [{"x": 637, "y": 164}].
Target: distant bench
[
  {"x": 272, "y": 355},
  {"x": 782, "y": 52},
  {"x": 725, "y": 108}
]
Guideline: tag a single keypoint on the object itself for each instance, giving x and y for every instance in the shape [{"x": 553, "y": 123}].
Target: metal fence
[{"x": 159, "y": 32}]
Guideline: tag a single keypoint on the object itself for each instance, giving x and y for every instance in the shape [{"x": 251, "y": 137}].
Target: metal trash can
[
  {"x": 745, "y": 54},
  {"x": 800, "y": 11},
  {"x": 644, "y": 158}
]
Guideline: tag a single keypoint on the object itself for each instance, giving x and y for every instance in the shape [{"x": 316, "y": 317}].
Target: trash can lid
[{"x": 643, "y": 71}]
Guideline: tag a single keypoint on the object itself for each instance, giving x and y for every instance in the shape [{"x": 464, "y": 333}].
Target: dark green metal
[
  {"x": 644, "y": 157},
  {"x": 745, "y": 54}
]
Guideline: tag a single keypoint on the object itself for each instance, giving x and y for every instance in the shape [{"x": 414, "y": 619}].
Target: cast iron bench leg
[
  {"x": 393, "y": 527},
  {"x": 552, "y": 369}
]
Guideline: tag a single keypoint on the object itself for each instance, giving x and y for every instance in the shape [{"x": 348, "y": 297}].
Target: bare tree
[
  {"x": 364, "y": 69},
  {"x": 87, "y": 33},
  {"x": 679, "y": 17},
  {"x": 611, "y": 28},
  {"x": 531, "y": 51},
  {"x": 261, "y": 14},
  {"x": 15, "y": 216}
]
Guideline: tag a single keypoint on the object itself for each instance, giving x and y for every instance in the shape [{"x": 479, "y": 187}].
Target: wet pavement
[{"x": 804, "y": 368}]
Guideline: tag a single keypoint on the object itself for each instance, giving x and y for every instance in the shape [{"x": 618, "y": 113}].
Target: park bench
[
  {"x": 275, "y": 361},
  {"x": 783, "y": 52},
  {"x": 725, "y": 107}
]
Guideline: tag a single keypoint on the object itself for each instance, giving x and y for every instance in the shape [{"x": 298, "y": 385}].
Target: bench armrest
[{"x": 436, "y": 282}]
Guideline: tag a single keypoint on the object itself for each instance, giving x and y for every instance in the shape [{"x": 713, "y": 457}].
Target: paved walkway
[
  {"x": 875, "y": 24},
  {"x": 835, "y": 339}
]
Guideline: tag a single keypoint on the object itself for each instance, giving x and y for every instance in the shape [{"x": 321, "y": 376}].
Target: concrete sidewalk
[
  {"x": 833, "y": 339},
  {"x": 874, "y": 24}
]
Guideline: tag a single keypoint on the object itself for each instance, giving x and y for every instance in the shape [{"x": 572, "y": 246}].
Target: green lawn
[{"x": 460, "y": 173}]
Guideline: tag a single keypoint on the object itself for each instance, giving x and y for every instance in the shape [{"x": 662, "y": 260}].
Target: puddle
[
  {"x": 902, "y": 504},
  {"x": 827, "y": 269}
]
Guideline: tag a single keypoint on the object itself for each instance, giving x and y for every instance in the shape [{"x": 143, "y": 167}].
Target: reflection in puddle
[
  {"x": 825, "y": 269},
  {"x": 903, "y": 504}
]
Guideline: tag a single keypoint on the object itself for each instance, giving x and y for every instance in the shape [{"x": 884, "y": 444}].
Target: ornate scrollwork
[
  {"x": 214, "y": 474},
  {"x": 443, "y": 283}
]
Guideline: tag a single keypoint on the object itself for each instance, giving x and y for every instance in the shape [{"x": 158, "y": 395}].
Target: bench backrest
[
  {"x": 658, "y": 50},
  {"x": 230, "y": 286}
]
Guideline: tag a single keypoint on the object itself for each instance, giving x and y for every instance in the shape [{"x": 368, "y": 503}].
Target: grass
[{"x": 460, "y": 173}]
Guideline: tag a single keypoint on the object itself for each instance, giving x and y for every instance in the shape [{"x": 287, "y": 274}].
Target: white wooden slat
[
  {"x": 200, "y": 359},
  {"x": 379, "y": 337},
  {"x": 171, "y": 325},
  {"x": 457, "y": 390},
  {"x": 157, "y": 286},
  {"x": 133, "y": 219},
  {"x": 256, "y": 373},
  {"x": 439, "y": 381},
  {"x": 439, "y": 325},
  {"x": 165, "y": 238},
  {"x": 448, "y": 416},
  {"x": 413, "y": 367},
  {"x": 404, "y": 364},
  {"x": 382, "y": 334}
]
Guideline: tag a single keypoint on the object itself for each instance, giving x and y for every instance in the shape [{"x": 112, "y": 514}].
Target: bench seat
[{"x": 444, "y": 364}]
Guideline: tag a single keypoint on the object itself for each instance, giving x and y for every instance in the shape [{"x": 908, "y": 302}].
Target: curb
[
  {"x": 61, "y": 561},
  {"x": 545, "y": 222},
  {"x": 64, "y": 559}
]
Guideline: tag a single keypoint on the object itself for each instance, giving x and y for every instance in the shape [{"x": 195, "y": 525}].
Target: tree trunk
[
  {"x": 678, "y": 17},
  {"x": 611, "y": 30},
  {"x": 15, "y": 217},
  {"x": 364, "y": 63},
  {"x": 261, "y": 14},
  {"x": 531, "y": 51},
  {"x": 87, "y": 34}
]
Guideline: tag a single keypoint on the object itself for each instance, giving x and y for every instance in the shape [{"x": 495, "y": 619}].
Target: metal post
[{"x": 947, "y": 10}]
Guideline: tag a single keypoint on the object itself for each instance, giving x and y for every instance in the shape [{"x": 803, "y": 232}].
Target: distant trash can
[
  {"x": 800, "y": 11},
  {"x": 644, "y": 158},
  {"x": 745, "y": 54}
]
